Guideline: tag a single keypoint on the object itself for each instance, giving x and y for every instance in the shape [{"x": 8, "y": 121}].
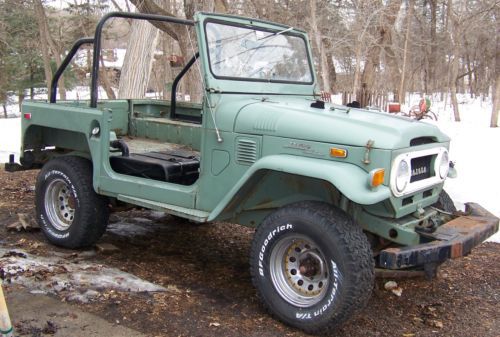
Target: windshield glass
[{"x": 248, "y": 53}]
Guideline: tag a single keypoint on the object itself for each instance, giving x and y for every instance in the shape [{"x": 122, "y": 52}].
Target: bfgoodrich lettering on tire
[
  {"x": 68, "y": 210},
  {"x": 312, "y": 266}
]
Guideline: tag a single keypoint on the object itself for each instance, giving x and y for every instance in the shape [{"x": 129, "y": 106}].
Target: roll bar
[
  {"x": 64, "y": 65},
  {"x": 96, "y": 41},
  {"x": 180, "y": 75}
]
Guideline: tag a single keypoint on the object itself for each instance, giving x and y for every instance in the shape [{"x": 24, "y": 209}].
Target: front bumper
[{"x": 457, "y": 238}]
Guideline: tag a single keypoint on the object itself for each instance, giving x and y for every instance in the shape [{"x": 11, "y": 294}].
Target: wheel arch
[
  {"x": 37, "y": 136},
  {"x": 277, "y": 180},
  {"x": 38, "y": 140}
]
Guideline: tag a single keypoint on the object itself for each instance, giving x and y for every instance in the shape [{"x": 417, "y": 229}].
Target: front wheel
[
  {"x": 68, "y": 210},
  {"x": 312, "y": 266}
]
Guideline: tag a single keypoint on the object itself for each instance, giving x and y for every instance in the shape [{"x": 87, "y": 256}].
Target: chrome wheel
[
  {"x": 60, "y": 204},
  {"x": 299, "y": 271}
]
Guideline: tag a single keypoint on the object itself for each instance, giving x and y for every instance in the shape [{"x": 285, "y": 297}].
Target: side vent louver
[{"x": 246, "y": 151}]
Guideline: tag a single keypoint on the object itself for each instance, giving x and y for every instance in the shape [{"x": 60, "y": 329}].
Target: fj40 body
[{"x": 333, "y": 192}]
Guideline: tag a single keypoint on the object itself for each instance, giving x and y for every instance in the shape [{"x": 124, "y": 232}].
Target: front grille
[{"x": 421, "y": 168}]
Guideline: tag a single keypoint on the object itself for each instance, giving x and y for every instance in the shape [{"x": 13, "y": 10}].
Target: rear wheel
[
  {"x": 312, "y": 266},
  {"x": 68, "y": 210}
]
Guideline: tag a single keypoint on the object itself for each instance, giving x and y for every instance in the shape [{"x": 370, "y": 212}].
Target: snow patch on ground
[
  {"x": 128, "y": 229},
  {"x": 67, "y": 275}
]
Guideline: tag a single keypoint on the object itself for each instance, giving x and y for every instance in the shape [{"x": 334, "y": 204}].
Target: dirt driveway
[{"x": 205, "y": 272}]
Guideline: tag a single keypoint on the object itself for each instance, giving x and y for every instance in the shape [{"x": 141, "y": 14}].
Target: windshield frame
[{"x": 263, "y": 29}]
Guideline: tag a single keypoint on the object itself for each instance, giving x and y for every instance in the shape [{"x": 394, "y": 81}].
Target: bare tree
[
  {"x": 496, "y": 86},
  {"x": 180, "y": 33},
  {"x": 47, "y": 45},
  {"x": 402, "y": 91},
  {"x": 138, "y": 60},
  {"x": 320, "y": 48},
  {"x": 383, "y": 39},
  {"x": 455, "y": 33}
]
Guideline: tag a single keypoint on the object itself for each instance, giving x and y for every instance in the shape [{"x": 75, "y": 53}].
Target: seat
[{"x": 177, "y": 167}]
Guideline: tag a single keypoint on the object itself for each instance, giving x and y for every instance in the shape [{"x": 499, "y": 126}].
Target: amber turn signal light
[
  {"x": 338, "y": 153},
  {"x": 377, "y": 177}
]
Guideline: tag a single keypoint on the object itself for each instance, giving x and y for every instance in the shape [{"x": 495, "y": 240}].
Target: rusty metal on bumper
[{"x": 459, "y": 235}]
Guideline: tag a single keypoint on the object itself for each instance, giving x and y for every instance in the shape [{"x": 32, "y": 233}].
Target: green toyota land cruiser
[{"x": 333, "y": 192}]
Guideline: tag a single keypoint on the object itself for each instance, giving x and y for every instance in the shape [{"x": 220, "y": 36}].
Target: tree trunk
[
  {"x": 453, "y": 84},
  {"x": 496, "y": 86},
  {"x": 46, "y": 43},
  {"x": 103, "y": 76},
  {"x": 192, "y": 82},
  {"x": 138, "y": 60},
  {"x": 32, "y": 90},
  {"x": 332, "y": 72},
  {"x": 20, "y": 96},
  {"x": 496, "y": 103},
  {"x": 4, "y": 110},
  {"x": 167, "y": 75},
  {"x": 179, "y": 33},
  {"x": 402, "y": 91},
  {"x": 357, "y": 70},
  {"x": 44, "y": 46},
  {"x": 470, "y": 73},
  {"x": 316, "y": 32},
  {"x": 373, "y": 58},
  {"x": 431, "y": 71},
  {"x": 454, "y": 27}
]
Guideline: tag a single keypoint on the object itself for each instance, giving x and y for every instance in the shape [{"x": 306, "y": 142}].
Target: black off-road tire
[
  {"x": 445, "y": 203},
  {"x": 66, "y": 184},
  {"x": 349, "y": 276}
]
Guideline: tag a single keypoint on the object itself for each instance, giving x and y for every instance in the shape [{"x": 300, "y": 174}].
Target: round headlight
[
  {"x": 402, "y": 175},
  {"x": 444, "y": 165}
]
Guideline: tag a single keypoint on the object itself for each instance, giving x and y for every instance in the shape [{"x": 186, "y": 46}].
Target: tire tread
[
  {"x": 93, "y": 209},
  {"x": 351, "y": 238}
]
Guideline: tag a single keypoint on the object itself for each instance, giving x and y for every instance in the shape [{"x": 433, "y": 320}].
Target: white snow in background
[
  {"x": 75, "y": 278},
  {"x": 111, "y": 62},
  {"x": 10, "y": 138},
  {"x": 474, "y": 148}
]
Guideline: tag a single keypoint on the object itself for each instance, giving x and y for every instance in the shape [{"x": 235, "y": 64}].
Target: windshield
[{"x": 247, "y": 53}]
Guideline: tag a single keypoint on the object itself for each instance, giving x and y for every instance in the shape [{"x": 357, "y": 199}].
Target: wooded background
[{"x": 363, "y": 48}]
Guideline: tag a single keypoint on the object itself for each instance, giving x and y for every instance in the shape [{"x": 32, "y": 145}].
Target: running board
[{"x": 189, "y": 213}]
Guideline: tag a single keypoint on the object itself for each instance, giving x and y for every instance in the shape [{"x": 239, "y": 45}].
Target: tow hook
[{"x": 429, "y": 225}]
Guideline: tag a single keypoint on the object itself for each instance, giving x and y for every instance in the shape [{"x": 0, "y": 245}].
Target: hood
[{"x": 295, "y": 118}]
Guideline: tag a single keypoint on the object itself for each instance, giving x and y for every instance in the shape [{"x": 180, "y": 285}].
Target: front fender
[{"x": 349, "y": 179}]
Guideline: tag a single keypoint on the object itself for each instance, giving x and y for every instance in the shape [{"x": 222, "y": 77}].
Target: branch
[
  {"x": 149, "y": 7},
  {"x": 465, "y": 74},
  {"x": 117, "y": 6}
]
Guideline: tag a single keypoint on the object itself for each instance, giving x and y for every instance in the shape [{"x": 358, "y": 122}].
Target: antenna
[{"x": 212, "y": 112}]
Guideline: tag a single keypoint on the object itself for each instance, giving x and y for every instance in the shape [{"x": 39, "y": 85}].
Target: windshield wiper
[
  {"x": 277, "y": 33},
  {"x": 254, "y": 48}
]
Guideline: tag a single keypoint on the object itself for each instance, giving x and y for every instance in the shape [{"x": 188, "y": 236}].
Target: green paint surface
[{"x": 275, "y": 149}]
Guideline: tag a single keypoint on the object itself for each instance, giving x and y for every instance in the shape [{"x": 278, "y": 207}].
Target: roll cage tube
[
  {"x": 173, "y": 97},
  {"x": 97, "y": 49},
  {"x": 64, "y": 65}
]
